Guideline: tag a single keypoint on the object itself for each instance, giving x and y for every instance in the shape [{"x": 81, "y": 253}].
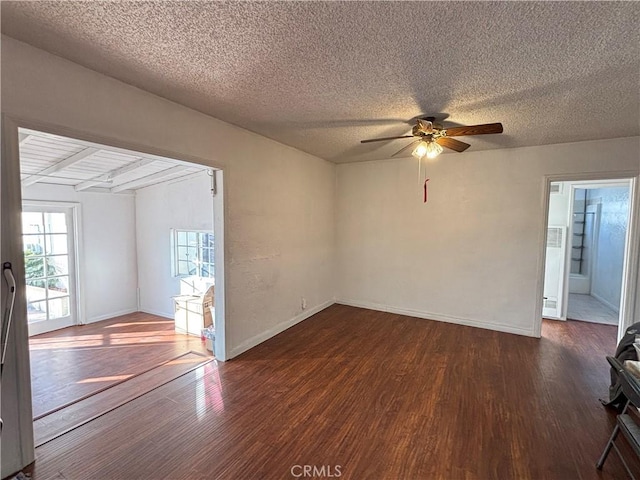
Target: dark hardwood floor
[
  {"x": 70, "y": 363},
  {"x": 370, "y": 395}
]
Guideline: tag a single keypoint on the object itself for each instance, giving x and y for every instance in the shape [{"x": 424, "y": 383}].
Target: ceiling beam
[
  {"x": 110, "y": 148},
  {"x": 153, "y": 178},
  {"x": 113, "y": 174},
  {"x": 75, "y": 158}
]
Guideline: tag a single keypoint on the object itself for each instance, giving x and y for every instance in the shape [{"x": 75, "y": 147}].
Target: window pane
[
  {"x": 36, "y": 290},
  {"x": 37, "y": 311},
  {"x": 55, "y": 223},
  {"x": 58, "y": 265},
  {"x": 56, "y": 244},
  {"x": 207, "y": 255},
  {"x": 33, "y": 244},
  {"x": 183, "y": 253},
  {"x": 57, "y": 286},
  {"x": 36, "y": 284},
  {"x": 34, "y": 267},
  {"x": 208, "y": 240},
  {"x": 194, "y": 253},
  {"x": 207, "y": 270},
  {"x": 32, "y": 222},
  {"x": 58, "y": 307},
  {"x": 183, "y": 268}
]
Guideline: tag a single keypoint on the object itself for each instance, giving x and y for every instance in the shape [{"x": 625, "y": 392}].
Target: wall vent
[
  {"x": 550, "y": 303},
  {"x": 556, "y": 188},
  {"x": 554, "y": 237}
]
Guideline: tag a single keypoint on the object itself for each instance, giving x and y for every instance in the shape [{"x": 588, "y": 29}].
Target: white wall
[
  {"x": 606, "y": 280},
  {"x": 108, "y": 279},
  {"x": 183, "y": 204},
  {"x": 279, "y": 201},
  {"x": 470, "y": 255}
]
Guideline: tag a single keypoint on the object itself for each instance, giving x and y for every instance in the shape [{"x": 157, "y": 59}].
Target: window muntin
[{"x": 193, "y": 253}]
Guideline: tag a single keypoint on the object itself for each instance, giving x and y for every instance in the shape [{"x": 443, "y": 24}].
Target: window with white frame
[{"x": 193, "y": 253}]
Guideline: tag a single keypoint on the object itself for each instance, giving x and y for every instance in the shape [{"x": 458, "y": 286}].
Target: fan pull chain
[{"x": 425, "y": 190}]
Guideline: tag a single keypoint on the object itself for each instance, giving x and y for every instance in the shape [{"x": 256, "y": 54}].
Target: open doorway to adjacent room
[
  {"x": 120, "y": 252},
  {"x": 587, "y": 251}
]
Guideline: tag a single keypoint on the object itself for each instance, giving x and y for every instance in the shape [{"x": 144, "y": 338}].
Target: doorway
[
  {"x": 49, "y": 242},
  {"x": 109, "y": 237},
  {"x": 587, "y": 251}
]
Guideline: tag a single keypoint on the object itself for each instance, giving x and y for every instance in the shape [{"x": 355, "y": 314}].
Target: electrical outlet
[{"x": 303, "y": 303}]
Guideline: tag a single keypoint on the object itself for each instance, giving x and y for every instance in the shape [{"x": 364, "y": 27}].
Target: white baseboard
[
  {"x": 110, "y": 315},
  {"x": 170, "y": 316},
  {"x": 498, "y": 327},
  {"x": 279, "y": 328},
  {"x": 608, "y": 304}
]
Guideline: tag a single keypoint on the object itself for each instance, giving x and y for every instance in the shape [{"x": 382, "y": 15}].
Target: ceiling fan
[{"x": 429, "y": 137}]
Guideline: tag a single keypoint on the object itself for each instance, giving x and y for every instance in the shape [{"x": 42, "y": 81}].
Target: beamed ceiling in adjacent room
[
  {"x": 86, "y": 166},
  {"x": 321, "y": 76}
]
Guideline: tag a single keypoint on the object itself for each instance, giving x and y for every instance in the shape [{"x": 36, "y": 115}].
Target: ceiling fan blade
[
  {"x": 385, "y": 138},
  {"x": 405, "y": 148},
  {"x": 453, "y": 144},
  {"x": 475, "y": 130}
]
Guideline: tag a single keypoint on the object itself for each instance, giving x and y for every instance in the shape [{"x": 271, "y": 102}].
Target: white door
[
  {"x": 49, "y": 258},
  {"x": 554, "y": 273}
]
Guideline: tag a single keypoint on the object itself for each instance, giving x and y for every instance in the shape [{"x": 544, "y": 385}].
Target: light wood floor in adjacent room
[
  {"x": 380, "y": 395},
  {"x": 72, "y": 362}
]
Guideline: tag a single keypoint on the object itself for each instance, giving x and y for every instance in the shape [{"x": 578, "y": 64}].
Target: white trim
[
  {"x": 77, "y": 284},
  {"x": 279, "y": 328},
  {"x": 631, "y": 267},
  {"x": 158, "y": 313},
  {"x": 51, "y": 325},
  {"x": 110, "y": 316},
  {"x": 219, "y": 255},
  {"x": 542, "y": 256},
  {"x": 18, "y": 446},
  {"x": 440, "y": 317}
]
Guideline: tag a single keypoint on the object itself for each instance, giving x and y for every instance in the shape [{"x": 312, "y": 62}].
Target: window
[{"x": 193, "y": 253}]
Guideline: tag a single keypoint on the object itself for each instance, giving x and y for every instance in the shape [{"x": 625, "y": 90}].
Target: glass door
[{"x": 48, "y": 242}]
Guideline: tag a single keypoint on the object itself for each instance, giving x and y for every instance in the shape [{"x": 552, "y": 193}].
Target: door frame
[
  {"x": 632, "y": 244},
  {"x": 16, "y": 402},
  {"x": 76, "y": 286},
  {"x": 11, "y": 125}
]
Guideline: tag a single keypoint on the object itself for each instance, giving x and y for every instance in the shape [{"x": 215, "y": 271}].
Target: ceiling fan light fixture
[
  {"x": 433, "y": 149},
  {"x": 427, "y": 148},
  {"x": 420, "y": 150}
]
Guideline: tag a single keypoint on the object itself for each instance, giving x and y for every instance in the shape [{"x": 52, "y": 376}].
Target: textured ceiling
[{"x": 321, "y": 76}]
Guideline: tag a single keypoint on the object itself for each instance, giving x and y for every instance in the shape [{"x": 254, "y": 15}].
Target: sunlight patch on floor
[{"x": 113, "y": 378}]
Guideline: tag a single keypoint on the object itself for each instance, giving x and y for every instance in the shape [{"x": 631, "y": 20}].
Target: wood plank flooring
[
  {"x": 65, "y": 419},
  {"x": 380, "y": 395},
  {"x": 72, "y": 362}
]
